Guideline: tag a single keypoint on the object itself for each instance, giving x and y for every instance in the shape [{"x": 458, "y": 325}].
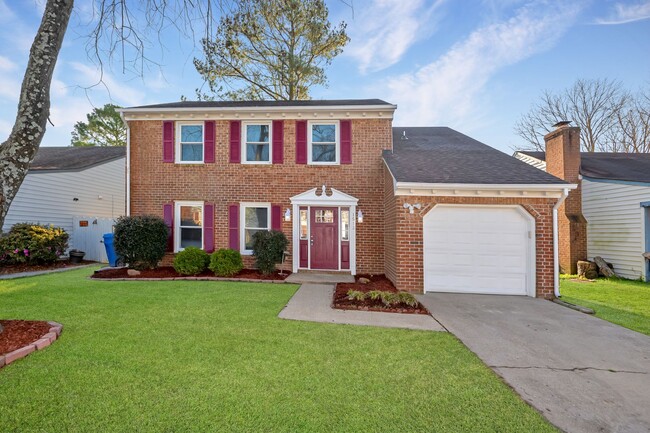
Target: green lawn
[
  {"x": 624, "y": 302},
  {"x": 213, "y": 356}
]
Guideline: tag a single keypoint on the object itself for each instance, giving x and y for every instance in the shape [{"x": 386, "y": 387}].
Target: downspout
[
  {"x": 128, "y": 165},
  {"x": 556, "y": 248}
]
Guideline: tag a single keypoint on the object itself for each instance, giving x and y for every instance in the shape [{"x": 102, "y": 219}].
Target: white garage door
[{"x": 479, "y": 249}]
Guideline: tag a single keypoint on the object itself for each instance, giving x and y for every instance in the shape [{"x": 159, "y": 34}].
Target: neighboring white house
[
  {"x": 616, "y": 205},
  {"x": 64, "y": 183}
]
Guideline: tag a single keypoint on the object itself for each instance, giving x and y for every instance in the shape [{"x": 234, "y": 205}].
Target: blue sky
[{"x": 473, "y": 65}]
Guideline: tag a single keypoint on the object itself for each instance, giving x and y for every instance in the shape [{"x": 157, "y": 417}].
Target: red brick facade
[
  {"x": 154, "y": 183},
  {"x": 563, "y": 161},
  {"x": 389, "y": 240},
  {"x": 403, "y": 236}
]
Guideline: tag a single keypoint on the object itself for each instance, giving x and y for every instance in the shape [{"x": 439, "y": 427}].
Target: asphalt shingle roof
[
  {"x": 248, "y": 104},
  {"x": 443, "y": 155},
  {"x": 74, "y": 158},
  {"x": 630, "y": 167}
]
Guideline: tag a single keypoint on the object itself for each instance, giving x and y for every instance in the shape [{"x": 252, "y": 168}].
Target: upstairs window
[
  {"x": 256, "y": 143},
  {"x": 323, "y": 143},
  {"x": 189, "y": 143}
]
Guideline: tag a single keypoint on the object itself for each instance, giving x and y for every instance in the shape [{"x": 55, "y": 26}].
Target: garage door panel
[{"x": 476, "y": 249}]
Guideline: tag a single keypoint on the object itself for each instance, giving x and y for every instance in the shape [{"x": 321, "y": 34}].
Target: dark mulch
[
  {"x": 377, "y": 282},
  {"x": 20, "y": 333},
  {"x": 169, "y": 272},
  {"x": 15, "y": 269}
]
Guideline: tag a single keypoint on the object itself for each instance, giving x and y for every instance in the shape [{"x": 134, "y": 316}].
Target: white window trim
[
  {"x": 244, "y": 139},
  {"x": 177, "y": 222},
  {"x": 178, "y": 153},
  {"x": 242, "y": 224},
  {"x": 337, "y": 137}
]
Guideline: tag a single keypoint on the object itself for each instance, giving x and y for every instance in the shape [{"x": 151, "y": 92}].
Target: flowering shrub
[{"x": 32, "y": 244}]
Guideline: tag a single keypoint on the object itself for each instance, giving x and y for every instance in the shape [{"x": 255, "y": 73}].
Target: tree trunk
[
  {"x": 604, "y": 267},
  {"x": 34, "y": 104}
]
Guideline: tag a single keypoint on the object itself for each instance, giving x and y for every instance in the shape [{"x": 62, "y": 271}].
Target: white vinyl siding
[
  {"x": 48, "y": 197},
  {"x": 615, "y": 224}
]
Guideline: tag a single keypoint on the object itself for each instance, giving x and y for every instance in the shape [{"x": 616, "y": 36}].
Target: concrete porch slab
[
  {"x": 313, "y": 303},
  {"x": 319, "y": 278}
]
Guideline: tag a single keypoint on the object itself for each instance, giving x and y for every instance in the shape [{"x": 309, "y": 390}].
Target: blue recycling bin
[{"x": 110, "y": 249}]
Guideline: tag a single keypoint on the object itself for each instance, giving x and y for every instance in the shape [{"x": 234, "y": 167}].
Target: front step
[{"x": 319, "y": 277}]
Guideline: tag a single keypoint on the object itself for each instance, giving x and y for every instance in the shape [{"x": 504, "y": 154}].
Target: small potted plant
[{"x": 76, "y": 256}]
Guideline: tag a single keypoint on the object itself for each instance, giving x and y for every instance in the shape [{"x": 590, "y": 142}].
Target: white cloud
[
  {"x": 446, "y": 90},
  {"x": 626, "y": 13},
  {"x": 6, "y": 64},
  {"x": 384, "y": 30}
]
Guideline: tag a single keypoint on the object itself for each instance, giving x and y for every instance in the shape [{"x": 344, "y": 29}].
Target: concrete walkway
[
  {"x": 318, "y": 278},
  {"x": 49, "y": 271},
  {"x": 583, "y": 373},
  {"x": 312, "y": 303}
]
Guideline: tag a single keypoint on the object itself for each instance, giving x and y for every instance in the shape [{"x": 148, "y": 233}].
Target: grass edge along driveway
[
  {"x": 213, "y": 356},
  {"x": 620, "y": 301}
]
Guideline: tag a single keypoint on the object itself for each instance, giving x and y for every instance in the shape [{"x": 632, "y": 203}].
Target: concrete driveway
[{"x": 583, "y": 373}]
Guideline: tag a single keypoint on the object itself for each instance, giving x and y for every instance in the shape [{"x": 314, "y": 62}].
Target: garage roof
[
  {"x": 74, "y": 158},
  {"x": 443, "y": 155},
  {"x": 630, "y": 167}
]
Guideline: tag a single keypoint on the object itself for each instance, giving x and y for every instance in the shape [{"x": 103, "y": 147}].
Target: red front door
[{"x": 324, "y": 242}]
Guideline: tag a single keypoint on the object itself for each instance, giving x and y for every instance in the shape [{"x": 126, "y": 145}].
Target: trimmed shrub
[
  {"x": 191, "y": 261},
  {"x": 268, "y": 247},
  {"x": 32, "y": 244},
  {"x": 141, "y": 240},
  {"x": 226, "y": 262}
]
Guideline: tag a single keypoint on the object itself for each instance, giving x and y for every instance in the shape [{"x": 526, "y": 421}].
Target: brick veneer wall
[
  {"x": 154, "y": 183},
  {"x": 408, "y": 272},
  {"x": 563, "y": 161}
]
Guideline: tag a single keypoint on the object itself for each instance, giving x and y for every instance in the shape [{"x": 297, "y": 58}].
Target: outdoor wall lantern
[
  {"x": 360, "y": 216},
  {"x": 411, "y": 207},
  {"x": 287, "y": 215}
]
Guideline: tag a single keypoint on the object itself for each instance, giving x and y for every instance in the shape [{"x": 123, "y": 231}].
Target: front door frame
[{"x": 315, "y": 198}]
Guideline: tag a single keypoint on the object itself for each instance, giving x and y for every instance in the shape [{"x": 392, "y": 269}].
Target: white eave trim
[
  {"x": 269, "y": 113},
  {"x": 481, "y": 190}
]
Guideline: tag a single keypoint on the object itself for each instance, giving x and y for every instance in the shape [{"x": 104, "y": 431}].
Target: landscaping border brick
[{"x": 40, "y": 344}]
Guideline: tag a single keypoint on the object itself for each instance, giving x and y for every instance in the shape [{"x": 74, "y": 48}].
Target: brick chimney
[{"x": 563, "y": 161}]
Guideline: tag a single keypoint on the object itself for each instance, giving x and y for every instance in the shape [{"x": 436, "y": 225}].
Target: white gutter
[
  {"x": 128, "y": 164},
  {"x": 288, "y": 108},
  {"x": 484, "y": 186},
  {"x": 556, "y": 247}
]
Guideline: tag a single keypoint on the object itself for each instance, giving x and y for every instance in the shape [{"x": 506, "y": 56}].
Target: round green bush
[
  {"x": 141, "y": 241},
  {"x": 226, "y": 262},
  {"x": 191, "y": 261}
]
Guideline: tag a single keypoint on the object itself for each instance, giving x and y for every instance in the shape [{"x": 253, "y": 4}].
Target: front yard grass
[
  {"x": 187, "y": 356},
  {"x": 624, "y": 302}
]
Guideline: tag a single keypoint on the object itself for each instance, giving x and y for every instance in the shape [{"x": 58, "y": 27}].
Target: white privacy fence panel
[{"x": 87, "y": 235}]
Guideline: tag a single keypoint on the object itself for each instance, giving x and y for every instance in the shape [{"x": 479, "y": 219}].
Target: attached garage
[{"x": 479, "y": 249}]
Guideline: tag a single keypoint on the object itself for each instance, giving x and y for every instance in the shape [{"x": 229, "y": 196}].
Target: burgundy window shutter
[
  {"x": 235, "y": 141},
  {"x": 168, "y": 141},
  {"x": 346, "y": 142},
  {"x": 278, "y": 141},
  {"x": 276, "y": 217},
  {"x": 168, "y": 216},
  {"x": 233, "y": 227},
  {"x": 208, "y": 141},
  {"x": 208, "y": 227},
  {"x": 301, "y": 142}
]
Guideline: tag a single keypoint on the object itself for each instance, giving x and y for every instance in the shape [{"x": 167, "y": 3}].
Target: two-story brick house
[{"x": 431, "y": 208}]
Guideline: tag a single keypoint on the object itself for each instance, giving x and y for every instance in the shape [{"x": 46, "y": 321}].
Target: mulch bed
[
  {"x": 20, "y": 333},
  {"x": 169, "y": 272},
  {"x": 377, "y": 282},
  {"x": 15, "y": 269}
]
